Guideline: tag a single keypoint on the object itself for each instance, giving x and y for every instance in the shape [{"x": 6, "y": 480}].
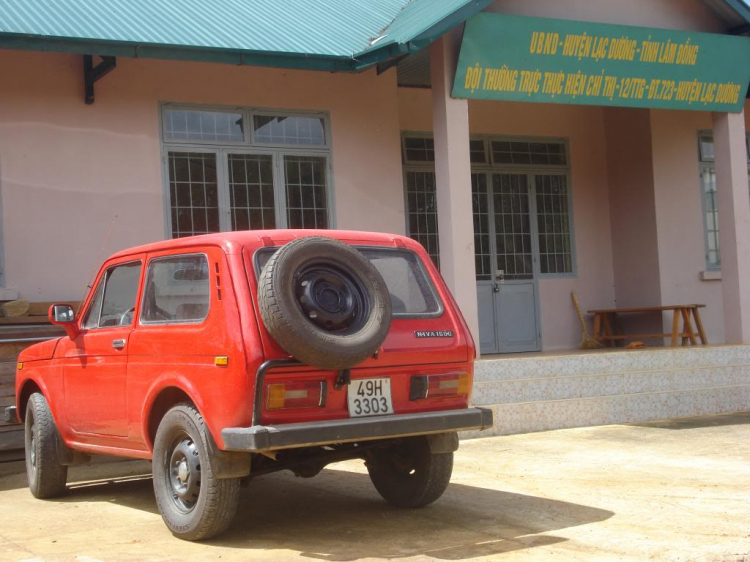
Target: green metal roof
[{"x": 340, "y": 35}]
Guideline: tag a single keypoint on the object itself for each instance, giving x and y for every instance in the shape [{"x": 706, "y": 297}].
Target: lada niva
[{"x": 228, "y": 356}]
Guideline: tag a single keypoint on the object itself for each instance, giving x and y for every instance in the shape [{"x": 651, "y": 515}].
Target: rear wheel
[
  {"x": 194, "y": 503},
  {"x": 409, "y": 474},
  {"x": 47, "y": 477}
]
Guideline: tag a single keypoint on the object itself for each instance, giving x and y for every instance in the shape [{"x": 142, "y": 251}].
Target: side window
[
  {"x": 91, "y": 320},
  {"x": 114, "y": 301},
  {"x": 176, "y": 290}
]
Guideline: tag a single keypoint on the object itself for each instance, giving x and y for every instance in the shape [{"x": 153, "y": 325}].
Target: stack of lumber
[{"x": 21, "y": 324}]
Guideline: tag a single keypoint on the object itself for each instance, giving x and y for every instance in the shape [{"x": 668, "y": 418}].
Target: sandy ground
[{"x": 676, "y": 491}]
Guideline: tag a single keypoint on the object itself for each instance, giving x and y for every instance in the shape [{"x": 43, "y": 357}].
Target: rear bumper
[{"x": 288, "y": 436}]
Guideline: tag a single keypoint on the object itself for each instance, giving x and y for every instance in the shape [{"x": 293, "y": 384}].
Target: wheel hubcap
[
  {"x": 331, "y": 299},
  {"x": 184, "y": 474}
]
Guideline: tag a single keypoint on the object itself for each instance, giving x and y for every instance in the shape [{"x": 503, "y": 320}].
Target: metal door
[{"x": 506, "y": 264}]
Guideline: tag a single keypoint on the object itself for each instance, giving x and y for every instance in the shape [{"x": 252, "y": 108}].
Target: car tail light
[
  {"x": 433, "y": 386},
  {"x": 295, "y": 395}
]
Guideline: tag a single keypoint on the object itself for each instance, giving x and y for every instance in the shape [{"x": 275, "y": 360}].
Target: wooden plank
[
  {"x": 7, "y": 401},
  {"x": 10, "y": 427},
  {"x": 687, "y": 328},
  {"x": 675, "y": 327},
  {"x": 645, "y": 309},
  {"x": 42, "y": 308},
  {"x": 15, "y": 320},
  {"x": 597, "y": 325},
  {"x": 7, "y": 368},
  {"x": 635, "y": 336},
  {"x": 12, "y": 440},
  {"x": 699, "y": 325}
]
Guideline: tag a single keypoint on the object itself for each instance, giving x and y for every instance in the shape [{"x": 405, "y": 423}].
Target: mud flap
[
  {"x": 443, "y": 442},
  {"x": 227, "y": 464}
]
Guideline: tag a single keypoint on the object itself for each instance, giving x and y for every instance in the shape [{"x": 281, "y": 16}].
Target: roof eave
[
  {"x": 239, "y": 57},
  {"x": 388, "y": 50}
]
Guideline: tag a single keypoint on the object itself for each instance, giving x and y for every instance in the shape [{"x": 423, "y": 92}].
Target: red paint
[{"x": 102, "y": 397}]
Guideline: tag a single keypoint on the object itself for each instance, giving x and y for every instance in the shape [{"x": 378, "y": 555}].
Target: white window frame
[
  {"x": 491, "y": 166},
  {"x": 223, "y": 148},
  {"x": 706, "y": 134}
]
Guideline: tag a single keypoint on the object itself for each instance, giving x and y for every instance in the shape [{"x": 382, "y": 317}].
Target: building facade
[{"x": 521, "y": 203}]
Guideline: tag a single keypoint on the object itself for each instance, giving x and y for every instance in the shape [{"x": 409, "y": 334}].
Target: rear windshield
[{"x": 412, "y": 292}]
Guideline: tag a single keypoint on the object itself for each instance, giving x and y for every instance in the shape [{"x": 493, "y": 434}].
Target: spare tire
[{"x": 324, "y": 303}]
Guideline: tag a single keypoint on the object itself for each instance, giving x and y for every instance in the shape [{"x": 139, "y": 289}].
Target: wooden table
[{"x": 607, "y": 328}]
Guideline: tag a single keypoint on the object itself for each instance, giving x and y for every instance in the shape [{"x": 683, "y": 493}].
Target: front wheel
[
  {"x": 194, "y": 503},
  {"x": 47, "y": 477},
  {"x": 409, "y": 474}
]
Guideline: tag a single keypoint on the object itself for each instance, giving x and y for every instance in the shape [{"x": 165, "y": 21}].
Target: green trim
[
  {"x": 175, "y": 52},
  {"x": 302, "y": 61},
  {"x": 740, "y": 7}
]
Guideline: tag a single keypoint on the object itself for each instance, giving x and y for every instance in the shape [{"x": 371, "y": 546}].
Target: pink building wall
[
  {"x": 631, "y": 194},
  {"x": 679, "y": 216},
  {"x": 584, "y": 129},
  {"x": 66, "y": 168}
]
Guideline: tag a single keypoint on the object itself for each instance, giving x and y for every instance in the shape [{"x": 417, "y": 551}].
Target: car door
[{"x": 95, "y": 362}]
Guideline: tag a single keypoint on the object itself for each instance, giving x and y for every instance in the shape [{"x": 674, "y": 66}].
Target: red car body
[{"x": 108, "y": 388}]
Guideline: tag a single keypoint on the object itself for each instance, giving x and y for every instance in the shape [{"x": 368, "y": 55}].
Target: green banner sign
[{"x": 516, "y": 58}]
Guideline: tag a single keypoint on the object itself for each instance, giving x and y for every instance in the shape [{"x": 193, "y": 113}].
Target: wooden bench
[{"x": 607, "y": 327}]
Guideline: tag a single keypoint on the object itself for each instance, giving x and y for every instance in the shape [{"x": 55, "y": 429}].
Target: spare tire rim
[{"x": 330, "y": 298}]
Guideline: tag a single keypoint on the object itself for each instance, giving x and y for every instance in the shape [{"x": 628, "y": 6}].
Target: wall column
[
  {"x": 453, "y": 177},
  {"x": 733, "y": 202}
]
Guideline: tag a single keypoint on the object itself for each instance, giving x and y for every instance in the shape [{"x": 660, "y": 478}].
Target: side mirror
[{"x": 64, "y": 315}]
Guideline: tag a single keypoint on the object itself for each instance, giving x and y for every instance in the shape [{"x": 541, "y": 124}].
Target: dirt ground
[{"x": 676, "y": 491}]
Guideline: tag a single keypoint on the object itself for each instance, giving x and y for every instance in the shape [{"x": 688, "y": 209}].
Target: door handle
[{"x": 118, "y": 344}]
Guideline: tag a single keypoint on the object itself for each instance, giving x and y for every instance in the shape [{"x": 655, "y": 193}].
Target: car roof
[{"x": 233, "y": 241}]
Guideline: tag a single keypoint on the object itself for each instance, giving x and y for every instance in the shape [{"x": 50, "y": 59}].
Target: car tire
[
  {"x": 409, "y": 474},
  {"x": 193, "y": 503},
  {"x": 47, "y": 477},
  {"x": 324, "y": 303}
]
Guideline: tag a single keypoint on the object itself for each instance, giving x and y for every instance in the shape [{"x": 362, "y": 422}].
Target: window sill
[{"x": 710, "y": 275}]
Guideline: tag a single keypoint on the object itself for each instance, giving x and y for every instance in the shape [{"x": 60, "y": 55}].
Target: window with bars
[
  {"x": 528, "y": 153},
  {"x": 251, "y": 197},
  {"x": 194, "y": 193},
  {"x": 221, "y": 176},
  {"x": 512, "y": 214},
  {"x": 707, "y": 157},
  {"x": 306, "y": 200},
  {"x": 421, "y": 213},
  {"x": 553, "y": 223},
  {"x": 530, "y": 203}
]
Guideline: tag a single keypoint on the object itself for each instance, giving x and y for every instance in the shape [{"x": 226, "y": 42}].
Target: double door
[{"x": 506, "y": 240}]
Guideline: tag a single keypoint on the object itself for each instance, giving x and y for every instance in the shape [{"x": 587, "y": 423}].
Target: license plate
[{"x": 370, "y": 397}]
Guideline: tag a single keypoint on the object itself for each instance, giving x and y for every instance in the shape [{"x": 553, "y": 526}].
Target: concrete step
[
  {"x": 595, "y": 385},
  {"x": 608, "y": 362},
  {"x": 537, "y": 393},
  {"x": 605, "y": 410}
]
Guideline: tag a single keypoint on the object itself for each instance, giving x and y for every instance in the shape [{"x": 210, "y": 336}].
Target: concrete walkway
[{"x": 675, "y": 491}]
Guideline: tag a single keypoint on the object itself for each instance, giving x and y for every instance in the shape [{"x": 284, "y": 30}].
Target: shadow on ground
[
  {"x": 338, "y": 516},
  {"x": 741, "y": 418}
]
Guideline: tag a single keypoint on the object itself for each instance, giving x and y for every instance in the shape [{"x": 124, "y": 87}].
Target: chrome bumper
[{"x": 293, "y": 435}]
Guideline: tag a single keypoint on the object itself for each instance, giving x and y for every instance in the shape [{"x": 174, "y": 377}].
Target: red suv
[{"x": 227, "y": 356}]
